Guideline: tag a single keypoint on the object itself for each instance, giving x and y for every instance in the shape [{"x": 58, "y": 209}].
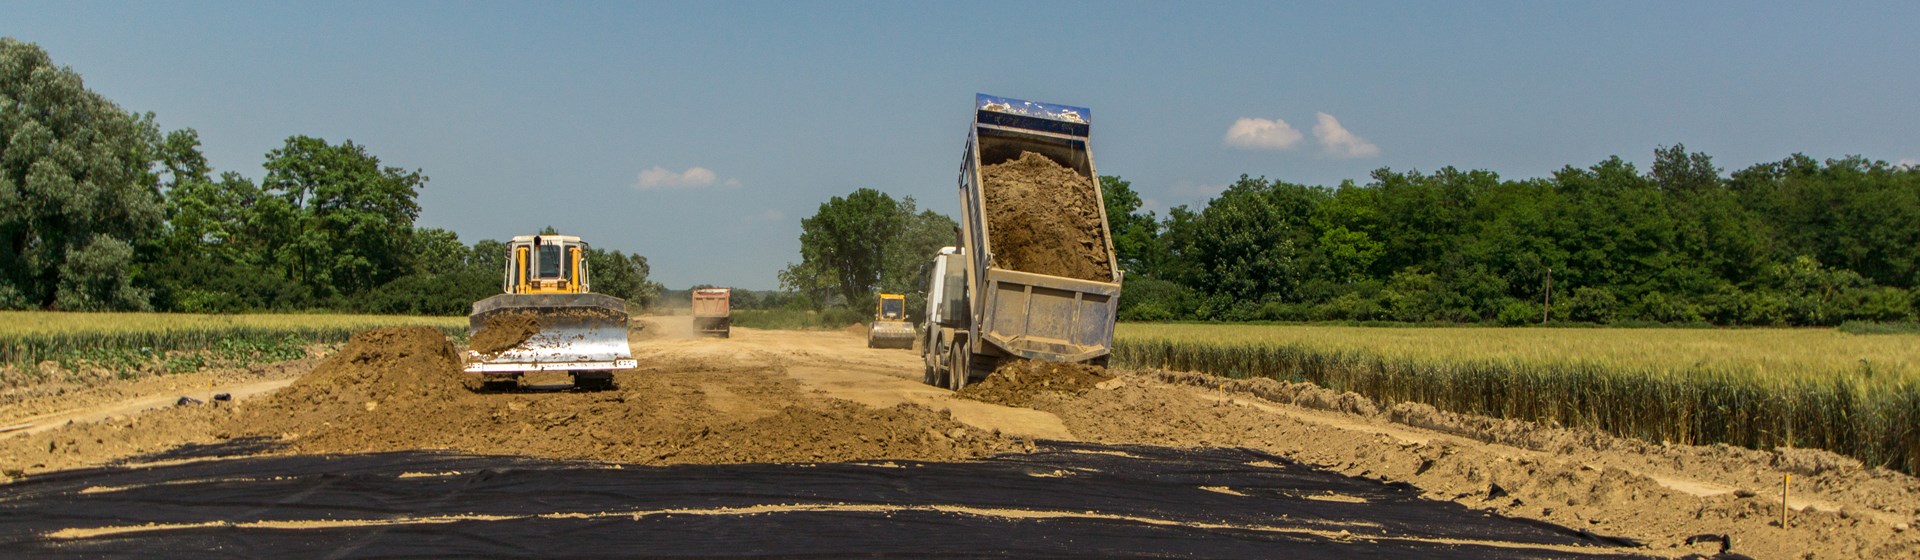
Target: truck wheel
[{"x": 957, "y": 368}]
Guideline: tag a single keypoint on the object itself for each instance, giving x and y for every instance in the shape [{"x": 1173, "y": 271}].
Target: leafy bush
[{"x": 1516, "y": 313}]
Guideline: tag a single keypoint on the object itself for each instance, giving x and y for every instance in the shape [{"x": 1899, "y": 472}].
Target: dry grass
[{"x": 1853, "y": 394}]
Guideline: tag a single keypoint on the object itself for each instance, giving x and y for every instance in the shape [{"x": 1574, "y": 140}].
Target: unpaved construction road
[{"x": 808, "y": 443}]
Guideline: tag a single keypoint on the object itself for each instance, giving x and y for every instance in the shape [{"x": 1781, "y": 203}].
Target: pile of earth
[
  {"x": 1045, "y": 219},
  {"x": 503, "y": 331},
  {"x": 402, "y": 388},
  {"x": 1019, "y": 382}
]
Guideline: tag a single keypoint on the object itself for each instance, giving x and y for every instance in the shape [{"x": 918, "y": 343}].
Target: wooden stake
[
  {"x": 1546, "y": 312},
  {"x": 1785, "y": 486}
]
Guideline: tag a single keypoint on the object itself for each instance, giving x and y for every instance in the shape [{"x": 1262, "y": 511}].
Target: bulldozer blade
[{"x": 576, "y": 332}]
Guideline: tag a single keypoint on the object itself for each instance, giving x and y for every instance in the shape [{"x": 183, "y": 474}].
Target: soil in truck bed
[{"x": 1045, "y": 219}]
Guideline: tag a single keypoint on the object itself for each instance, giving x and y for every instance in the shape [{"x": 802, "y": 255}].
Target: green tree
[
  {"x": 844, "y": 245},
  {"x": 1136, "y": 236},
  {"x": 910, "y": 253},
  {"x": 1250, "y": 241},
  {"x": 623, "y": 276},
  {"x": 355, "y": 215},
  {"x": 77, "y": 186},
  {"x": 438, "y": 251}
]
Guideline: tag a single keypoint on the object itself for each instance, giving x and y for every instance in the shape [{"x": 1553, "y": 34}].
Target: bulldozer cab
[
  {"x": 546, "y": 264},
  {"x": 891, "y": 307}
]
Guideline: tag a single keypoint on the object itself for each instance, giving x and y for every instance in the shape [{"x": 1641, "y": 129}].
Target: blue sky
[{"x": 699, "y": 134}]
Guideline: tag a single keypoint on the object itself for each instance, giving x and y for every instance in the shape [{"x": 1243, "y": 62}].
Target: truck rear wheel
[{"x": 957, "y": 367}]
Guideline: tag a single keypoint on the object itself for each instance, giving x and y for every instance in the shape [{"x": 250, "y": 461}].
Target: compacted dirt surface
[
  {"x": 806, "y": 442},
  {"x": 1045, "y": 219}
]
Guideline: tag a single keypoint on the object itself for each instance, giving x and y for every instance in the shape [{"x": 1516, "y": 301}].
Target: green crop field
[
  {"x": 124, "y": 342},
  {"x": 1857, "y": 395}
]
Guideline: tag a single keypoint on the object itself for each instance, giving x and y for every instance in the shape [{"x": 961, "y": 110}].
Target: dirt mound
[
  {"x": 504, "y": 331},
  {"x": 1018, "y": 382},
  {"x": 393, "y": 367},
  {"x": 402, "y": 388},
  {"x": 1045, "y": 219},
  {"x": 841, "y": 431},
  {"x": 390, "y": 365}
]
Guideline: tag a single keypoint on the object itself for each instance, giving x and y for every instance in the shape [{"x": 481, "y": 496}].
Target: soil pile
[
  {"x": 1045, "y": 219},
  {"x": 503, "y": 331},
  {"x": 1018, "y": 382},
  {"x": 403, "y": 388},
  {"x": 396, "y": 367}
]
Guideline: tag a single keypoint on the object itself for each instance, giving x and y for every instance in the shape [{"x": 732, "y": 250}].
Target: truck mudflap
[
  {"x": 575, "y": 332},
  {"x": 1051, "y": 318}
]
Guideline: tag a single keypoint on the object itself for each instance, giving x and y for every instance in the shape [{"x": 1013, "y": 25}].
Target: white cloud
[
  {"x": 657, "y": 177},
  {"x": 1909, "y": 162},
  {"x": 1262, "y": 134},
  {"x": 1337, "y": 141}
]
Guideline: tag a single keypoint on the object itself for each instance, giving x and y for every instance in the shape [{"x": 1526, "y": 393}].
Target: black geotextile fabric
[{"x": 534, "y": 497}]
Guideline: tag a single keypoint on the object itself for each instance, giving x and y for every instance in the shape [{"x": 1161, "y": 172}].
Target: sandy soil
[
  {"x": 1045, "y": 218},
  {"x": 822, "y": 396},
  {"x": 503, "y": 331}
]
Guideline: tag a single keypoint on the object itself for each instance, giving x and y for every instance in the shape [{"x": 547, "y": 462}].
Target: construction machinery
[
  {"x": 713, "y": 311},
  {"x": 547, "y": 318},
  {"x": 890, "y": 328},
  {"x": 980, "y": 312}
]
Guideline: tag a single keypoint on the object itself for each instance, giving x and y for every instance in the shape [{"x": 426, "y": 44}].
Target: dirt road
[{"x": 822, "y": 398}]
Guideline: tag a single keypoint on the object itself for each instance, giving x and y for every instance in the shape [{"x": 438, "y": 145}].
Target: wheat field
[{"x": 1858, "y": 395}]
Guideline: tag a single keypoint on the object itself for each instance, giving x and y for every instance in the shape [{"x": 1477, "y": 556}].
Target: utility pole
[{"x": 1546, "y": 312}]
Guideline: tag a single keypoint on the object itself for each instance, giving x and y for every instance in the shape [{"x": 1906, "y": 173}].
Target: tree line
[
  {"x": 100, "y": 210},
  {"x": 1795, "y": 242}
]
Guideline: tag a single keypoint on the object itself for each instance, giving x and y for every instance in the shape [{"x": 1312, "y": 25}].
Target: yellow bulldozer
[
  {"x": 890, "y": 328},
  {"x": 547, "y": 318}
]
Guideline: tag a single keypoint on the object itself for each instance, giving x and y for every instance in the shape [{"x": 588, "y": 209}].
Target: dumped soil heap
[
  {"x": 402, "y": 388},
  {"x": 1045, "y": 219},
  {"x": 1019, "y": 382},
  {"x": 398, "y": 367},
  {"x": 504, "y": 331}
]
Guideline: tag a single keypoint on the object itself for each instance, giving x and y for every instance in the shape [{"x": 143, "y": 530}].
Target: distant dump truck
[
  {"x": 713, "y": 311},
  {"x": 1034, "y": 275}
]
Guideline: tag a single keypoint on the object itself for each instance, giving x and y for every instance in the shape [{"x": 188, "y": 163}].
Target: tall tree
[
  {"x": 845, "y": 242},
  {"x": 356, "y": 216},
  {"x": 1136, "y": 235},
  {"x": 76, "y": 187}
]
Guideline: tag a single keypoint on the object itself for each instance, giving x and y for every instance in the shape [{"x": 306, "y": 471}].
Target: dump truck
[
  {"x": 1006, "y": 290},
  {"x": 890, "y": 328},
  {"x": 713, "y": 311},
  {"x": 547, "y": 318}
]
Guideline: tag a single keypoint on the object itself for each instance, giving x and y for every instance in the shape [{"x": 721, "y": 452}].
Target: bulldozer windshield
[
  {"x": 551, "y": 263},
  {"x": 892, "y": 308}
]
